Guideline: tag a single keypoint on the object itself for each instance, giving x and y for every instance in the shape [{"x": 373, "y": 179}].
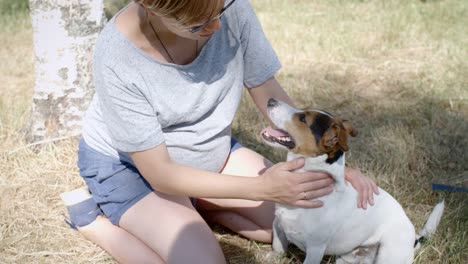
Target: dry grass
[{"x": 397, "y": 69}]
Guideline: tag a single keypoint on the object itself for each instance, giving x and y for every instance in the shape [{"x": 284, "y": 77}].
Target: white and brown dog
[{"x": 381, "y": 234}]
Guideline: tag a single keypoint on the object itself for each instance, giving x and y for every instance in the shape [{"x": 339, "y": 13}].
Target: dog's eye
[{"x": 302, "y": 118}]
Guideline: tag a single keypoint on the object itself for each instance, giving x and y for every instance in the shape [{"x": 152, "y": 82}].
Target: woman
[{"x": 169, "y": 77}]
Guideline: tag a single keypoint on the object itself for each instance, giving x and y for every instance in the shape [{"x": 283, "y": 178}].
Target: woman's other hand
[{"x": 363, "y": 185}]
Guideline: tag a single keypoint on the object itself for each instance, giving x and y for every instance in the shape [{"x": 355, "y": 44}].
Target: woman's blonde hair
[{"x": 187, "y": 12}]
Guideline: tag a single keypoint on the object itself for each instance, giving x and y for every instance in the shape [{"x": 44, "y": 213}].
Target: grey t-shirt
[{"x": 141, "y": 103}]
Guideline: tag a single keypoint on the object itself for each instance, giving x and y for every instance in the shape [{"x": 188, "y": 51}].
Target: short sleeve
[
  {"x": 260, "y": 60},
  {"x": 129, "y": 117}
]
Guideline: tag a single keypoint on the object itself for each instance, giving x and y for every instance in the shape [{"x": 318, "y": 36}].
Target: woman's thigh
[
  {"x": 170, "y": 226},
  {"x": 247, "y": 163}
]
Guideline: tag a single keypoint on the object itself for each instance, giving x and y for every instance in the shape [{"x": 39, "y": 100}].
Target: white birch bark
[{"x": 64, "y": 35}]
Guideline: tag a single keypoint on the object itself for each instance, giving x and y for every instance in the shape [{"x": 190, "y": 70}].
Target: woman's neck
[{"x": 154, "y": 22}]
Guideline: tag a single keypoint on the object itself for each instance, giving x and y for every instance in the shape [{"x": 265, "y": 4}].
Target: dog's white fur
[{"x": 381, "y": 234}]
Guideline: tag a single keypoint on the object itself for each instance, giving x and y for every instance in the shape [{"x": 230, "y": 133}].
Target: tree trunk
[{"x": 64, "y": 34}]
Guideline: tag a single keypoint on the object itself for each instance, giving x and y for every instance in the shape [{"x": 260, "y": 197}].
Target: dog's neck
[{"x": 335, "y": 169}]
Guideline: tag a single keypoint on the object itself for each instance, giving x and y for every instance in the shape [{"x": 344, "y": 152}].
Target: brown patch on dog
[
  {"x": 299, "y": 130},
  {"x": 334, "y": 138}
]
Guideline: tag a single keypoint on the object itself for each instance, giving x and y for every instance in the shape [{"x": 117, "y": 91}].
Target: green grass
[
  {"x": 11, "y": 7},
  {"x": 14, "y": 16},
  {"x": 397, "y": 69}
]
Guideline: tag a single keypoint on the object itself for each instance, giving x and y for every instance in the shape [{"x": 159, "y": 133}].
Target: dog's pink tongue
[{"x": 274, "y": 133}]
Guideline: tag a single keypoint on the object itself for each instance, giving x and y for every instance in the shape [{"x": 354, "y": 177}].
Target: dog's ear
[
  {"x": 349, "y": 128},
  {"x": 330, "y": 137},
  {"x": 346, "y": 129}
]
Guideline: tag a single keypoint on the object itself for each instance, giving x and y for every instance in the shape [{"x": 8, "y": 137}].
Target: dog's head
[{"x": 307, "y": 132}]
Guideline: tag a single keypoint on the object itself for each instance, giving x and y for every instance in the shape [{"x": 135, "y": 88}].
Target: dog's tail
[{"x": 431, "y": 224}]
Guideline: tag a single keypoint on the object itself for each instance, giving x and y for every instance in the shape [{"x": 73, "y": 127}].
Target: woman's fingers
[
  {"x": 310, "y": 176},
  {"x": 360, "y": 199},
  {"x": 370, "y": 191},
  {"x": 365, "y": 187},
  {"x": 375, "y": 188},
  {"x": 310, "y": 195},
  {"x": 360, "y": 192},
  {"x": 365, "y": 197},
  {"x": 292, "y": 164},
  {"x": 366, "y": 190},
  {"x": 308, "y": 203},
  {"x": 316, "y": 185}
]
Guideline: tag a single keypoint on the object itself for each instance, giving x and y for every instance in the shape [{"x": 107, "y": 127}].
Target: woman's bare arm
[
  {"x": 277, "y": 184},
  {"x": 269, "y": 89}
]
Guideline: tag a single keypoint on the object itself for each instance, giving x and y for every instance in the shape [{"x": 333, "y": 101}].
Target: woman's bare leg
[
  {"x": 251, "y": 219},
  {"x": 170, "y": 230},
  {"x": 121, "y": 245},
  {"x": 170, "y": 226}
]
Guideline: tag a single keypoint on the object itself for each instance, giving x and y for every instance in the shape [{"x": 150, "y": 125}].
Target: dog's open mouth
[{"x": 278, "y": 136}]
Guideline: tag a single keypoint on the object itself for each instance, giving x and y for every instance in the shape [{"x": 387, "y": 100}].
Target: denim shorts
[{"x": 115, "y": 184}]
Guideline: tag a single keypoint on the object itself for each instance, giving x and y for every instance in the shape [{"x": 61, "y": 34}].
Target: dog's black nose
[{"x": 272, "y": 102}]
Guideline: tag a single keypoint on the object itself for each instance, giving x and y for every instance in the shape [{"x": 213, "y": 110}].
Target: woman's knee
[
  {"x": 121, "y": 245},
  {"x": 170, "y": 226},
  {"x": 246, "y": 162}
]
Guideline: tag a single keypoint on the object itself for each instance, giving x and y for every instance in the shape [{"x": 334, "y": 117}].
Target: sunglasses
[{"x": 195, "y": 29}]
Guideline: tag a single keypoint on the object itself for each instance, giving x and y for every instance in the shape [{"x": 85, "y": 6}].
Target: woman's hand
[
  {"x": 280, "y": 184},
  {"x": 363, "y": 185}
]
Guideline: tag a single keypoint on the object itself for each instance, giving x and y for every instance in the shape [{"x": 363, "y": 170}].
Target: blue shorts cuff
[
  {"x": 235, "y": 144},
  {"x": 83, "y": 213}
]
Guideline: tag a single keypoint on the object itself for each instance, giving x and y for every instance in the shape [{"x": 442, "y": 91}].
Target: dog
[{"x": 381, "y": 234}]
